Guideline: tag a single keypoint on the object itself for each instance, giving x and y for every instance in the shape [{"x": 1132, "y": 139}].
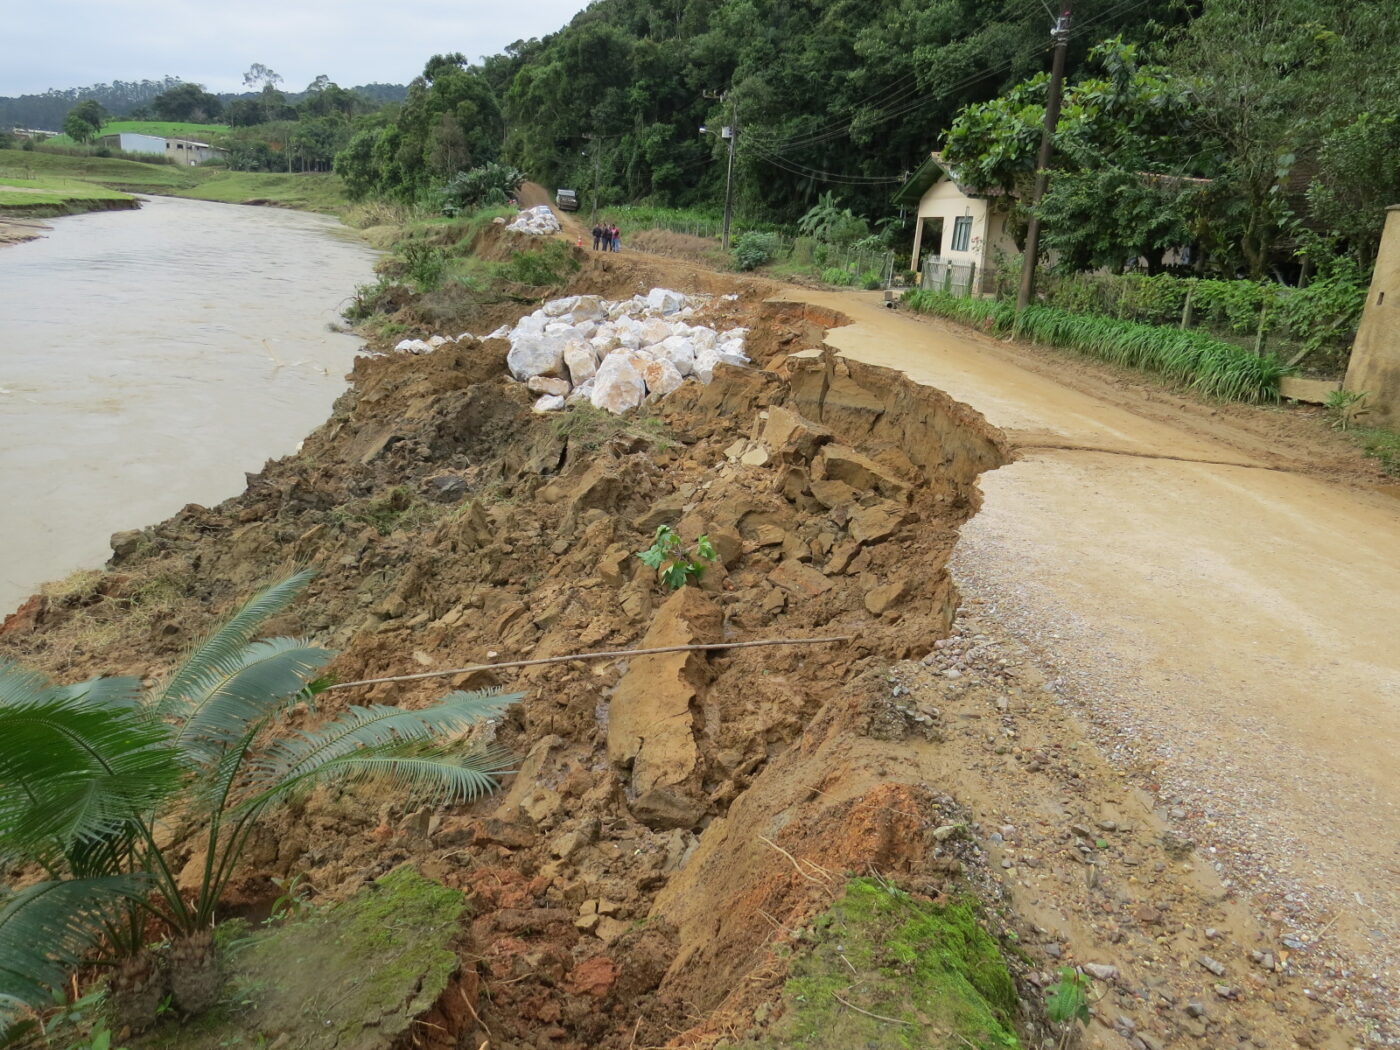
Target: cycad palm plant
[{"x": 92, "y": 774}]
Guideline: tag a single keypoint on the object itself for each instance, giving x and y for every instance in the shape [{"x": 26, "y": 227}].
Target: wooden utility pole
[
  {"x": 1060, "y": 34},
  {"x": 731, "y": 133}
]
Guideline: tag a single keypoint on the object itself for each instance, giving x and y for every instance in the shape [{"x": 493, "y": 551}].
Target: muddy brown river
[{"x": 148, "y": 359}]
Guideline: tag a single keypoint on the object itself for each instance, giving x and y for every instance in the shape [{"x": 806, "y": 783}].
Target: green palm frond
[
  {"x": 240, "y": 690},
  {"x": 422, "y": 772},
  {"x": 370, "y": 727},
  {"x": 18, "y": 686},
  {"x": 52, "y": 926},
  {"x": 124, "y": 693},
  {"x": 70, "y": 772},
  {"x": 227, "y": 641}
]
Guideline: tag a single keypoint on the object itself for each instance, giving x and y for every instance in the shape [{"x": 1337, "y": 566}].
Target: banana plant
[{"x": 91, "y": 774}]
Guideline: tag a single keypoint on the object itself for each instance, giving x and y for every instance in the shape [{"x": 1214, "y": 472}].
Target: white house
[
  {"x": 186, "y": 152},
  {"x": 956, "y": 223}
]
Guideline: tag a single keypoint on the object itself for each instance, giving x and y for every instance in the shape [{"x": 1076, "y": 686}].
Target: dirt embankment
[{"x": 643, "y": 879}]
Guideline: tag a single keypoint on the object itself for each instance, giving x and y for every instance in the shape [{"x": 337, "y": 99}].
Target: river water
[{"x": 148, "y": 359}]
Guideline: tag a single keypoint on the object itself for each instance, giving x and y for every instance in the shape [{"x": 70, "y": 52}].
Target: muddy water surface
[{"x": 148, "y": 359}]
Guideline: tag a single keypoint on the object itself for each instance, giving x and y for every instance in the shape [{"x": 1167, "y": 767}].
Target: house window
[{"x": 962, "y": 233}]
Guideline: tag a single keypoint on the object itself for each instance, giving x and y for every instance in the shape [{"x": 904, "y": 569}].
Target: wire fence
[{"x": 1316, "y": 324}]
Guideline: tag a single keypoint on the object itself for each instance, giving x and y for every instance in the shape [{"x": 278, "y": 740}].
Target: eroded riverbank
[{"x": 678, "y": 823}]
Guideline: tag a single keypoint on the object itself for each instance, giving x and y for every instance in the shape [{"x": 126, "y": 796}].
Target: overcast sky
[{"x": 74, "y": 43}]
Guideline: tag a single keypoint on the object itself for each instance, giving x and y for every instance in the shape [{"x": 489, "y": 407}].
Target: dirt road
[{"x": 1228, "y": 622}]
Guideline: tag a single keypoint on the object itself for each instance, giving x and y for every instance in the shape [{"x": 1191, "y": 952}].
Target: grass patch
[
  {"x": 633, "y": 217},
  {"x": 1381, "y": 443},
  {"x": 311, "y": 191},
  {"x": 399, "y": 508},
  {"x": 931, "y": 973},
  {"x": 106, "y": 171},
  {"x": 51, "y": 191},
  {"x": 308, "y": 192},
  {"x": 587, "y": 428},
  {"x": 1190, "y": 358}
]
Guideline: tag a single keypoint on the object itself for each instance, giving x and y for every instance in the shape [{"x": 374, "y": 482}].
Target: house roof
[{"x": 929, "y": 172}]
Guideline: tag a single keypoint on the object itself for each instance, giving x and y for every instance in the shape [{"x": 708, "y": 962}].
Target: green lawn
[
  {"x": 166, "y": 128},
  {"x": 308, "y": 192},
  {"x": 52, "y": 192},
  {"x": 108, "y": 171}
]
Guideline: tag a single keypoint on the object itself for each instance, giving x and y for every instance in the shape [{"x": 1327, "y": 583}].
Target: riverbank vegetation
[
  {"x": 62, "y": 195},
  {"x": 311, "y": 192}
]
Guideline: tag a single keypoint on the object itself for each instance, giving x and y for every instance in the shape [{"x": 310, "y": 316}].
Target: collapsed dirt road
[{"x": 1229, "y": 622}]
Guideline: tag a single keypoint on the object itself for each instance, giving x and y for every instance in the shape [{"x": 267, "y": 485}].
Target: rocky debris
[
  {"x": 616, "y": 354},
  {"x": 538, "y": 221}
]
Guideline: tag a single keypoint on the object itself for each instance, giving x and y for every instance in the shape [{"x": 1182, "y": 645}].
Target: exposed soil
[{"x": 676, "y": 818}]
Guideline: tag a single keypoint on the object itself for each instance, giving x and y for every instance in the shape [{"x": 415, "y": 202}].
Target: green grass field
[
  {"x": 308, "y": 192},
  {"x": 166, "y": 128},
  {"x": 106, "y": 171},
  {"x": 53, "y": 194}
]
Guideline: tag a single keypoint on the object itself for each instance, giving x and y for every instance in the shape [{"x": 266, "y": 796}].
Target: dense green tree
[
  {"x": 85, "y": 120},
  {"x": 188, "y": 102},
  {"x": 1274, "y": 79},
  {"x": 1358, "y": 177}
]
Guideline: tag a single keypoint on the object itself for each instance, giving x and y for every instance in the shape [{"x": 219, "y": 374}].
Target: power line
[{"x": 901, "y": 107}]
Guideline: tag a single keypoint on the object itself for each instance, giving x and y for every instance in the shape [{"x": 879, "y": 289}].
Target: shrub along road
[{"x": 1221, "y": 595}]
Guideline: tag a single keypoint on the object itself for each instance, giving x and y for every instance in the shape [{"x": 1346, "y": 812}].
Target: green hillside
[{"x": 165, "y": 128}]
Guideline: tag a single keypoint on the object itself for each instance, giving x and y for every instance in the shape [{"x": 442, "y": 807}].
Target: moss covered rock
[
  {"x": 887, "y": 970},
  {"x": 353, "y": 976}
]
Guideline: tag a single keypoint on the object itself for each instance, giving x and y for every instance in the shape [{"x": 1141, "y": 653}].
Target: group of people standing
[{"x": 606, "y": 238}]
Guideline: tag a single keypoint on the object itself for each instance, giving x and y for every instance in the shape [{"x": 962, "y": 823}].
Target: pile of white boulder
[
  {"x": 538, "y": 221},
  {"x": 611, "y": 353},
  {"x": 614, "y": 354}
]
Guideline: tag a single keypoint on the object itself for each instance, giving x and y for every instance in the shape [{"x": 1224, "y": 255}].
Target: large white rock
[
  {"x": 547, "y": 385},
  {"x": 665, "y": 301},
  {"x": 558, "y": 307},
  {"x": 618, "y": 386},
  {"x": 549, "y": 403},
  {"x": 732, "y": 353},
  {"x": 661, "y": 377},
  {"x": 603, "y": 345},
  {"x": 531, "y": 324},
  {"x": 581, "y": 362},
  {"x": 589, "y": 308},
  {"x": 534, "y": 355},
  {"x": 582, "y": 392},
  {"x": 412, "y": 346},
  {"x": 499, "y": 333},
  {"x": 654, "y": 330},
  {"x": 703, "y": 337},
  {"x": 679, "y": 351}
]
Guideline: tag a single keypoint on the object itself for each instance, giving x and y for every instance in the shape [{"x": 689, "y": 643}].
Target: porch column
[{"x": 918, "y": 243}]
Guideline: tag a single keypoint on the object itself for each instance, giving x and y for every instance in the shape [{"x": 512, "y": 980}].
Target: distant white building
[{"x": 186, "y": 152}]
